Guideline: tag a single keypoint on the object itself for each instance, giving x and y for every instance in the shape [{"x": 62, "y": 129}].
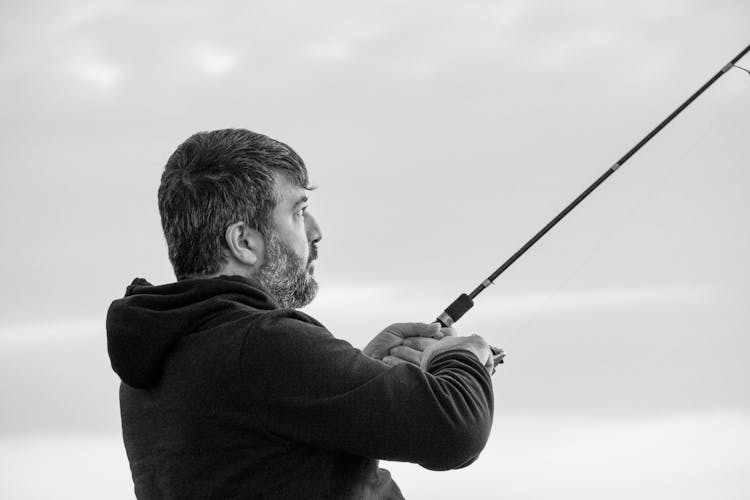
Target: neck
[{"x": 230, "y": 268}]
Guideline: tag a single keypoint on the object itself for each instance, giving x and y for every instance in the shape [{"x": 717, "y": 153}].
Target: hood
[{"x": 144, "y": 326}]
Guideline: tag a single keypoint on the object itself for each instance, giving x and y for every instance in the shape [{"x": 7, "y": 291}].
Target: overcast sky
[{"x": 441, "y": 136}]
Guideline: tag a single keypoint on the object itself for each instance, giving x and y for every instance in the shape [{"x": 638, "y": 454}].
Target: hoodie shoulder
[{"x": 145, "y": 326}]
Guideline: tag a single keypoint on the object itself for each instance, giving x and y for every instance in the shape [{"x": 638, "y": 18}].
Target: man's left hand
[
  {"x": 410, "y": 351},
  {"x": 395, "y": 335}
]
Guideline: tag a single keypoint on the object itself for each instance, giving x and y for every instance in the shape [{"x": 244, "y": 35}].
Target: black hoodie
[{"x": 225, "y": 395}]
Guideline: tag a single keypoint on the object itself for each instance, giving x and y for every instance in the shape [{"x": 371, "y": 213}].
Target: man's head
[{"x": 234, "y": 202}]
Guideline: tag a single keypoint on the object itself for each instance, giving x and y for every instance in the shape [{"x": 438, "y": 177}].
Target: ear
[{"x": 245, "y": 243}]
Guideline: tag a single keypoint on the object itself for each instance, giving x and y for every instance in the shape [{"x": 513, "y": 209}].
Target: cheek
[
  {"x": 301, "y": 245},
  {"x": 293, "y": 235}
]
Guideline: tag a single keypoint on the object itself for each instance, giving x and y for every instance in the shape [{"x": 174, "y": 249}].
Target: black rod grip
[{"x": 459, "y": 307}]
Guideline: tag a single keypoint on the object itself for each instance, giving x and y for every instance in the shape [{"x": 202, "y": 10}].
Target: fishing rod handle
[{"x": 453, "y": 313}]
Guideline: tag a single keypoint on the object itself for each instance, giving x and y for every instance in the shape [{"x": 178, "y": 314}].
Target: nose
[{"x": 312, "y": 229}]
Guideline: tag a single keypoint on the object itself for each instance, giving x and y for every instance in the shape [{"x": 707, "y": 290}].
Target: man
[{"x": 228, "y": 392}]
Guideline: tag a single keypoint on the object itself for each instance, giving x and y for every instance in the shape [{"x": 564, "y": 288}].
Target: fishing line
[
  {"x": 654, "y": 187},
  {"x": 464, "y": 302}
]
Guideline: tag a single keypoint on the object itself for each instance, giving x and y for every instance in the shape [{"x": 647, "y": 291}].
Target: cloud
[
  {"x": 529, "y": 456},
  {"x": 99, "y": 72},
  {"x": 330, "y": 51},
  {"x": 686, "y": 456},
  {"x": 357, "y": 300},
  {"x": 80, "y": 15},
  {"x": 35, "y": 332},
  {"x": 524, "y": 304},
  {"x": 83, "y": 466},
  {"x": 506, "y": 14},
  {"x": 213, "y": 59},
  {"x": 576, "y": 47},
  {"x": 338, "y": 299}
]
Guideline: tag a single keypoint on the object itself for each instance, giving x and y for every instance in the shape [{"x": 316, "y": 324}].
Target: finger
[
  {"x": 404, "y": 330},
  {"x": 419, "y": 343},
  {"x": 498, "y": 355},
  {"x": 437, "y": 333},
  {"x": 427, "y": 330},
  {"x": 407, "y": 354},
  {"x": 449, "y": 331},
  {"x": 394, "y": 361}
]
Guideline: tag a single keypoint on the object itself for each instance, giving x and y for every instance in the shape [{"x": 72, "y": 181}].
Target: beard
[{"x": 285, "y": 275}]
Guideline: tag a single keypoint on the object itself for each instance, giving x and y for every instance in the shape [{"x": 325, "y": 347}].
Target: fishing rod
[{"x": 464, "y": 302}]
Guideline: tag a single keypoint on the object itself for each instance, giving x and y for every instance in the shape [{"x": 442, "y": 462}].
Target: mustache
[{"x": 313, "y": 253}]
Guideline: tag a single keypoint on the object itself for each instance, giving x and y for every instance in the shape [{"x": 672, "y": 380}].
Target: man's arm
[{"x": 320, "y": 391}]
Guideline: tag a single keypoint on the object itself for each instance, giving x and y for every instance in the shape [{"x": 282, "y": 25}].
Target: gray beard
[{"x": 285, "y": 276}]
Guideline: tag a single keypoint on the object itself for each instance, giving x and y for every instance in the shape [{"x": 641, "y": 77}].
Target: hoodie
[{"x": 226, "y": 395}]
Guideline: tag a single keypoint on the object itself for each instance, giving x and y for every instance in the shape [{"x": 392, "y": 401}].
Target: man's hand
[
  {"x": 473, "y": 343},
  {"x": 412, "y": 348},
  {"x": 395, "y": 335}
]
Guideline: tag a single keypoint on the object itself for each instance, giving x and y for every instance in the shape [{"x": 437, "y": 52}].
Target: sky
[{"x": 441, "y": 136}]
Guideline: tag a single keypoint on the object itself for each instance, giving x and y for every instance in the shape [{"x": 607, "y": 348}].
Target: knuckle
[{"x": 422, "y": 344}]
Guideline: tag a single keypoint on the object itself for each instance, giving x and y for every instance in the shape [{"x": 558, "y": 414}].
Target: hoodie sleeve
[{"x": 307, "y": 386}]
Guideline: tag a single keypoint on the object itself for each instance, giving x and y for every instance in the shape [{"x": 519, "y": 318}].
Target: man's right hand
[{"x": 394, "y": 335}]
